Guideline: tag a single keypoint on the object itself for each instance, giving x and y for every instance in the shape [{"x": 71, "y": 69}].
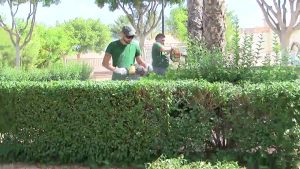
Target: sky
[{"x": 248, "y": 12}]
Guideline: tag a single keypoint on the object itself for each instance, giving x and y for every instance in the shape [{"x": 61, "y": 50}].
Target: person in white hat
[{"x": 124, "y": 53}]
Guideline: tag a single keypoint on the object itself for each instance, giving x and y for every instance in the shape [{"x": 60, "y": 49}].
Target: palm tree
[
  {"x": 206, "y": 22},
  {"x": 195, "y": 13},
  {"x": 214, "y": 24}
]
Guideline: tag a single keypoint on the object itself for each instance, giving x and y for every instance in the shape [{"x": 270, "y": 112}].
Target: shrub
[
  {"x": 214, "y": 66},
  {"x": 180, "y": 163},
  {"x": 242, "y": 61},
  {"x": 52, "y": 73}
]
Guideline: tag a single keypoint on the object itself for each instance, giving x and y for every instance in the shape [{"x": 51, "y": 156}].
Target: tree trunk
[
  {"x": 142, "y": 39},
  {"x": 214, "y": 24},
  {"x": 284, "y": 38},
  {"x": 18, "y": 56},
  {"x": 195, "y": 14},
  {"x": 78, "y": 55}
]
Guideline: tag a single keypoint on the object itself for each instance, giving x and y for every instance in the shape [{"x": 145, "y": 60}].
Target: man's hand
[
  {"x": 144, "y": 71},
  {"x": 140, "y": 70},
  {"x": 121, "y": 71}
]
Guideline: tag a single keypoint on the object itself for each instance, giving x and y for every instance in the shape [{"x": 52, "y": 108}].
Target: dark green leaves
[{"x": 126, "y": 122}]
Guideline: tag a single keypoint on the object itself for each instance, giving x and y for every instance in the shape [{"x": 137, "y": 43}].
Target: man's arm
[
  {"x": 140, "y": 61},
  {"x": 165, "y": 49},
  {"x": 106, "y": 60}
]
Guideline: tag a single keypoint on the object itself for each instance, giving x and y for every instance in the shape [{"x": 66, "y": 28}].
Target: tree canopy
[
  {"x": 144, "y": 15},
  {"x": 283, "y": 18},
  {"x": 20, "y": 33},
  {"x": 88, "y": 34},
  {"x": 177, "y": 23}
]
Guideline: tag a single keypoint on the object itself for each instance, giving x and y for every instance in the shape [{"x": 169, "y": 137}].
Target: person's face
[
  {"x": 127, "y": 39},
  {"x": 162, "y": 40}
]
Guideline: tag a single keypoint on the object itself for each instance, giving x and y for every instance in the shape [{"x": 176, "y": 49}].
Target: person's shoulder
[
  {"x": 111, "y": 46},
  {"x": 115, "y": 42},
  {"x": 135, "y": 43},
  {"x": 157, "y": 44}
]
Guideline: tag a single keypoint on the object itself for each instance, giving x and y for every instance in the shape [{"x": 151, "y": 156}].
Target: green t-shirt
[
  {"x": 123, "y": 55},
  {"x": 159, "y": 59}
]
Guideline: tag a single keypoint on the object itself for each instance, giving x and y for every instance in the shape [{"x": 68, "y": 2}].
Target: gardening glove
[
  {"x": 121, "y": 71},
  {"x": 148, "y": 70}
]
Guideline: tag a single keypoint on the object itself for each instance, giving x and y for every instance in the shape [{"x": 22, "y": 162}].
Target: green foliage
[
  {"x": 127, "y": 122},
  {"x": 50, "y": 44},
  {"x": 44, "y": 2},
  {"x": 213, "y": 66},
  {"x": 235, "y": 48},
  {"x": 113, "y": 4},
  {"x": 276, "y": 48},
  {"x": 87, "y": 34},
  {"x": 181, "y": 163},
  {"x": 55, "y": 43},
  {"x": 6, "y": 50},
  {"x": 177, "y": 23},
  {"x": 230, "y": 19},
  {"x": 52, "y": 73},
  {"x": 238, "y": 64},
  {"x": 31, "y": 52},
  {"x": 21, "y": 29},
  {"x": 117, "y": 26},
  {"x": 144, "y": 15}
]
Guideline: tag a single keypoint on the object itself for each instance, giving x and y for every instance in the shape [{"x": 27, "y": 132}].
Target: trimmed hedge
[{"x": 126, "y": 122}]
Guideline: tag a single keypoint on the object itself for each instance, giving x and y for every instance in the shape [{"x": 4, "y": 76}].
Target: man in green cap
[{"x": 123, "y": 53}]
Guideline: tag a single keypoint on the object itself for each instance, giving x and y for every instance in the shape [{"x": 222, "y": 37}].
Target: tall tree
[
  {"x": 214, "y": 24},
  {"x": 87, "y": 35},
  {"x": 20, "y": 34},
  {"x": 276, "y": 16},
  {"x": 54, "y": 44},
  {"x": 177, "y": 23},
  {"x": 195, "y": 18},
  {"x": 6, "y": 50},
  {"x": 144, "y": 15},
  {"x": 206, "y": 22}
]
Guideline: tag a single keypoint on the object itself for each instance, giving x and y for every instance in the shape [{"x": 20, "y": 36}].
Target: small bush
[
  {"x": 53, "y": 73},
  {"x": 180, "y": 163}
]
